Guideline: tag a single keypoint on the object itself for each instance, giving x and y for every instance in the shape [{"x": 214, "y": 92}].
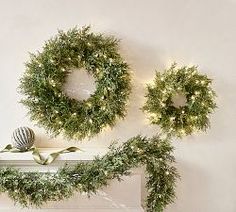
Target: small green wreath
[
  {"x": 46, "y": 73},
  {"x": 183, "y": 118}
]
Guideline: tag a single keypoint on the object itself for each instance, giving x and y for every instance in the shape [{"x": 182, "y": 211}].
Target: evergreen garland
[
  {"x": 34, "y": 189},
  {"x": 46, "y": 73},
  {"x": 188, "y": 118}
]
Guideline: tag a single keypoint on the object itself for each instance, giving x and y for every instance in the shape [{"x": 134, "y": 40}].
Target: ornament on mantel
[{"x": 23, "y": 138}]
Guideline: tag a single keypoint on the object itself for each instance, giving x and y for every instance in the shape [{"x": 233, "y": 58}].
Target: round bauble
[{"x": 23, "y": 138}]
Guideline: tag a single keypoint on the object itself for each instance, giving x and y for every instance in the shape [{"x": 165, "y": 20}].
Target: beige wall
[{"x": 154, "y": 33}]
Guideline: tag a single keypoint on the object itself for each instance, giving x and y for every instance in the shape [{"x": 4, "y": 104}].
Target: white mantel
[{"x": 122, "y": 196}]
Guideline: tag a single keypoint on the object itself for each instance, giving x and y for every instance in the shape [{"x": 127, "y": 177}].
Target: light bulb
[
  {"x": 163, "y": 104},
  {"x": 52, "y": 82},
  {"x": 89, "y": 104}
]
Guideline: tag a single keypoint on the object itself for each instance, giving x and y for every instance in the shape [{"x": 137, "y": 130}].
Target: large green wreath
[
  {"x": 34, "y": 189},
  {"x": 185, "y": 119},
  {"x": 46, "y": 73}
]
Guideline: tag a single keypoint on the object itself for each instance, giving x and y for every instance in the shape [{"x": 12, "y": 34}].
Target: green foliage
[
  {"x": 46, "y": 73},
  {"x": 188, "y": 118},
  {"x": 34, "y": 189}
]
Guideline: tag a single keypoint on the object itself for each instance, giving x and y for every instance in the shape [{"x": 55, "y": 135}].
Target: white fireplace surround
[{"x": 117, "y": 197}]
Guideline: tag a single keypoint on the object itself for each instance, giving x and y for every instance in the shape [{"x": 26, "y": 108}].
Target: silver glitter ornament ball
[{"x": 23, "y": 138}]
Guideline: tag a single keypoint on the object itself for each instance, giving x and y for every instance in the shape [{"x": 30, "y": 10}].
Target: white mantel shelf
[
  {"x": 26, "y": 158},
  {"x": 122, "y": 196}
]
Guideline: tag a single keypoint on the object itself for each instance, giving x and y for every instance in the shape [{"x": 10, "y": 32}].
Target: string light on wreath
[
  {"x": 188, "y": 115},
  {"x": 42, "y": 84}
]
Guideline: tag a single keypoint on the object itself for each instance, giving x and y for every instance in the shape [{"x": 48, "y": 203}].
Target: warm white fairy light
[
  {"x": 88, "y": 104},
  {"x": 103, "y": 107},
  {"x": 52, "y": 82},
  {"x": 171, "y": 129},
  {"x": 162, "y": 104}
]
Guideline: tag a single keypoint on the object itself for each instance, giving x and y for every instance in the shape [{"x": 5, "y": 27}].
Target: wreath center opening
[
  {"x": 79, "y": 84},
  {"x": 179, "y": 100}
]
